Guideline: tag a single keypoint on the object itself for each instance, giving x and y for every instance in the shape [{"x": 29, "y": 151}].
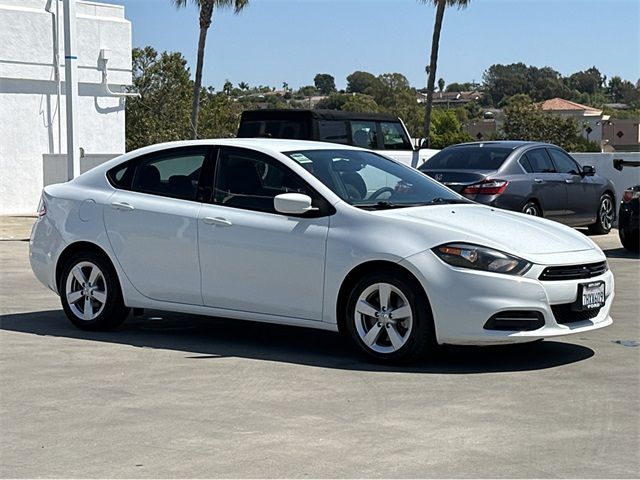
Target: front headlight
[{"x": 466, "y": 255}]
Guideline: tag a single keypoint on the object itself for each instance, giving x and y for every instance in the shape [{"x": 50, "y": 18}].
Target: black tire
[
  {"x": 420, "y": 338},
  {"x": 532, "y": 208},
  {"x": 604, "y": 216},
  {"x": 630, "y": 240},
  {"x": 110, "y": 313}
]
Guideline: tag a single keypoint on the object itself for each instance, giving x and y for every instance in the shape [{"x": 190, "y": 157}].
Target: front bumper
[{"x": 463, "y": 300}]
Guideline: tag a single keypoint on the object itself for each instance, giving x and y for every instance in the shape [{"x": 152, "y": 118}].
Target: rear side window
[
  {"x": 471, "y": 157},
  {"x": 171, "y": 176},
  {"x": 333, "y": 131},
  {"x": 121, "y": 176},
  {"x": 539, "y": 161},
  {"x": 394, "y": 136},
  {"x": 564, "y": 163},
  {"x": 173, "y": 173},
  {"x": 289, "y": 129},
  {"x": 524, "y": 161}
]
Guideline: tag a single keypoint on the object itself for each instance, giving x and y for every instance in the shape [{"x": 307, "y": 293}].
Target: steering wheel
[{"x": 382, "y": 190}]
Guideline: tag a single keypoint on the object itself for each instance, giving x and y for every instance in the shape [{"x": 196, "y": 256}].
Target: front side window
[
  {"x": 564, "y": 163},
  {"x": 539, "y": 161},
  {"x": 364, "y": 134},
  {"x": 370, "y": 181},
  {"x": 394, "y": 136},
  {"x": 251, "y": 180}
]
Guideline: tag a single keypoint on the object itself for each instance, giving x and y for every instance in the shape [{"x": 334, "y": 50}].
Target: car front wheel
[
  {"x": 90, "y": 293},
  {"x": 389, "y": 318},
  {"x": 605, "y": 214}
]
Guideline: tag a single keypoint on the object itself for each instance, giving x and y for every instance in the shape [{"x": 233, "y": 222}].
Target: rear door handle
[
  {"x": 538, "y": 180},
  {"x": 223, "y": 222},
  {"x": 568, "y": 180},
  {"x": 122, "y": 206}
]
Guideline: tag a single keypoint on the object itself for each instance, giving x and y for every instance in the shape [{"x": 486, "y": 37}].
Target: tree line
[{"x": 165, "y": 109}]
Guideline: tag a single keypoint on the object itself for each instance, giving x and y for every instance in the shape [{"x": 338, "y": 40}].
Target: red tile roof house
[
  {"x": 612, "y": 134},
  {"x": 589, "y": 119}
]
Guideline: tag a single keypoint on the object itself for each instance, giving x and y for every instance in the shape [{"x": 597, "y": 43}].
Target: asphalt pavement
[{"x": 172, "y": 395}]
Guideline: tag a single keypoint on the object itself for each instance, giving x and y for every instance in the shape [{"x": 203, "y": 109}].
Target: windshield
[
  {"x": 368, "y": 180},
  {"x": 468, "y": 157}
]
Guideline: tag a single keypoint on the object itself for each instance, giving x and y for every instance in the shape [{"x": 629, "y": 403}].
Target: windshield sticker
[{"x": 300, "y": 158}]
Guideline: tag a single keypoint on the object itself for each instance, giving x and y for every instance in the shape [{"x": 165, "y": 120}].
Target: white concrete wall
[
  {"x": 28, "y": 91},
  {"x": 603, "y": 162}
]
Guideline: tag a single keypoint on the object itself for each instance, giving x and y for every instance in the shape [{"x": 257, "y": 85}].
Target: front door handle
[
  {"x": 538, "y": 180},
  {"x": 568, "y": 180},
  {"x": 223, "y": 222},
  {"x": 122, "y": 206}
]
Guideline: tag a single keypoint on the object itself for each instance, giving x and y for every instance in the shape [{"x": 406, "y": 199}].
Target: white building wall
[{"x": 29, "y": 113}]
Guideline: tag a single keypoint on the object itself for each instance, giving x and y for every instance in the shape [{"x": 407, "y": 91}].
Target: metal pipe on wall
[{"x": 71, "y": 88}]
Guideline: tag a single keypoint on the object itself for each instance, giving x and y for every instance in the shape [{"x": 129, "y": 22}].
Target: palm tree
[
  {"x": 431, "y": 70},
  {"x": 206, "y": 8}
]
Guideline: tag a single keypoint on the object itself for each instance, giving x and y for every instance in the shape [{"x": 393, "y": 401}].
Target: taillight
[
  {"x": 630, "y": 195},
  {"x": 486, "y": 187},
  {"x": 42, "y": 208}
]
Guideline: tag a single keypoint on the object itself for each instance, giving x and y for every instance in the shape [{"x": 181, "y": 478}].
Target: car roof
[
  {"x": 513, "y": 144},
  {"x": 276, "y": 145},
  {"x": 266, "y": 145},
  {"x": 320, "y": 114}
]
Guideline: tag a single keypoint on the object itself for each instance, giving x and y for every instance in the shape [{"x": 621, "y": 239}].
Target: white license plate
[{"x": 592, "y": 295}]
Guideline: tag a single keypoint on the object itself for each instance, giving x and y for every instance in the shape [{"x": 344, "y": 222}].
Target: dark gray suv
[{"x": 534, "y": 178}]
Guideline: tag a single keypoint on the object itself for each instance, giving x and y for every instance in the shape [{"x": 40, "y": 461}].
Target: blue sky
[{"x": 275, "y": 41}]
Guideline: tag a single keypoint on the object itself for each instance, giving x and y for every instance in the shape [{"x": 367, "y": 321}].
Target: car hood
[{"x": 516, "y": 233}]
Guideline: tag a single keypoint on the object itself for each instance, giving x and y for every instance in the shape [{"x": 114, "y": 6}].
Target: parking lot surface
[{"x": 170, "y": 395}]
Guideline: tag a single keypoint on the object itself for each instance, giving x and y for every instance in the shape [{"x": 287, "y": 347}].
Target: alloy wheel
[
  {"x": 383, "y": 318},
  {"x": 605, "y": 213},
  {"x": 86, "y": 291},
  {"x": 531, "y": 209}
]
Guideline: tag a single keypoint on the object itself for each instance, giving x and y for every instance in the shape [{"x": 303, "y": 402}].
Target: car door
[
  {"x": 252, "y": 258},
  {"x": 547, "y": 186},
  {"x": 582, "y": 192},
  {"x": 152, "y": 223}
]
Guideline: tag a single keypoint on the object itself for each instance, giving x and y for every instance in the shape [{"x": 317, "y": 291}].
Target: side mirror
[
  {"x": 588, "y": 171},
  {"x": 293, "y": 203}
]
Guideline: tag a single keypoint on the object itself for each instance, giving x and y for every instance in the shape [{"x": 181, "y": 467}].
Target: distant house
[
  {"x": 451, "y": 99},
  {"x": 611, "y": 134},
  {"x": 589, "y": 119},
  {"x": 567, "y": 108}
]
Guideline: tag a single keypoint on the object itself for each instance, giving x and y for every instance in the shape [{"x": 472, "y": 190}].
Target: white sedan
[{"x": 316, "y": 235}]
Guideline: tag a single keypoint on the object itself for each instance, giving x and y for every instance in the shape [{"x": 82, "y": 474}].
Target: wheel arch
[
  {"x": 361, "y": 270},
  {"x": 72, "y": 249}
]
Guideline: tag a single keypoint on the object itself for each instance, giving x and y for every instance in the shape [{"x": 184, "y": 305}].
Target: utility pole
[{"x": 71, "y": 87}]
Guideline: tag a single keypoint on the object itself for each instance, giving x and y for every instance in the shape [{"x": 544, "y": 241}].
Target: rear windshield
[{"x": 472, "y": 157}]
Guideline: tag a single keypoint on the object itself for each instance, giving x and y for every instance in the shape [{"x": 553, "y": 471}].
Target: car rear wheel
[
  {"x": 532, "y": 208},
  {"x": 90, "y": 293},
  {"x": 605, "y": 214},
  {"x": 388, "y": 317}
]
